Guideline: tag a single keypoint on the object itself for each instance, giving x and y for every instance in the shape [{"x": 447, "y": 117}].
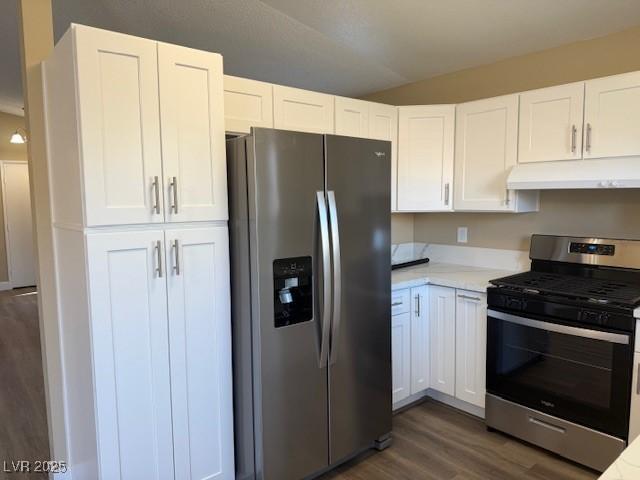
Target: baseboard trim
[
  {"x": 5, "y": 286},
  {"x": 456, "y": 403}
]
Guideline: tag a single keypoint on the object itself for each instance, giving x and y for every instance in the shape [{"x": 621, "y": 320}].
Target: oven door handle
[{"x": 557, "y": 328}]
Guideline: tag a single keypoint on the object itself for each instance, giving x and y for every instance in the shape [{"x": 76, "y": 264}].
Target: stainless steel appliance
[
  {"x": 560, "y": 347},
  {"x": 311, "y": 287}
]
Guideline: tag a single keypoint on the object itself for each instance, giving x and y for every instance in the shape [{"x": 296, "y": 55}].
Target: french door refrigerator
[{"x": 311, "y": 286}]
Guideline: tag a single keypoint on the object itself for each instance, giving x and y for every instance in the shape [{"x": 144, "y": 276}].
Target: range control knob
[{"x": 603, "y": 318}]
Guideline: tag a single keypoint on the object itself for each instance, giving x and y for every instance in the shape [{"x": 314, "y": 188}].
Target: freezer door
[
  {"x": 285, "y": 172},
  {"x": 358, "y": 179}
]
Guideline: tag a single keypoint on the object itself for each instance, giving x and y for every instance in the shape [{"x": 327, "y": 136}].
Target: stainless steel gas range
[{"x": 560, "y": 347}]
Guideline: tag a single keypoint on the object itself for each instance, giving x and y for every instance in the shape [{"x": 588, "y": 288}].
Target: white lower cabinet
[
  {"x": 442, "y": 330},
  {"x": 161, "y": 348},
  {"x": 401, "y": 356},
  {"x": 439, "y": 338},
  {"x": 419, "y": 339},
  {"x": 634, "y": 420},
  {"x": 471, "y": 346}
]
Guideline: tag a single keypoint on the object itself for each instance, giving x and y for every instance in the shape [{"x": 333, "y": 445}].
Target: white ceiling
[{"x": 348, "y": 47}]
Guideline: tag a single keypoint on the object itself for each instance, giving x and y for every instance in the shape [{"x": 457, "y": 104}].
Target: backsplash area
[{"x": 494, "y": 258}]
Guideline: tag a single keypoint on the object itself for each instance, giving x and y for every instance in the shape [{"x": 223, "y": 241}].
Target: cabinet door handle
[
  {"x": 469, "y": 297},
  {"x": 638, "y": 380},
  {"x": 176, "y": 249},
  {"x": 173, "y": 185},
  {"x": 418, "y": 305},
  {"x": 446, "y": 194},
  {"x": 158, "y": 249},
  {"x": 507, "y": 200},
  {"x": 156, "y": 194},
  {"x": 574, "y": 131},
  {"x": 588, "y": 139}
]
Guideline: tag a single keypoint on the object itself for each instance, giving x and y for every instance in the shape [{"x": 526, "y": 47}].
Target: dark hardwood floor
[
  {"x": 432, "y": 441},
  {"x": 23, "y": 418}
]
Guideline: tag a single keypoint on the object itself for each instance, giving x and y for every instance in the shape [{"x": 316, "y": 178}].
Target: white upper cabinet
[
  {"x": 551, "y": 124},
  {"x": 383, "y": 125},
  {"x": 486, "y": 150},
  {"x": 471, "y": 346},
  {"x": 117, "y": 95},
  {"x": 425, "y": 157},
  {"x": 200, "y": 351},
  {"x": 352, "y": 117},
  {"x": 302, "y": 110},
  {"x": 612, "y": 116},
  {"x": 247, "y": 103},
  {"x": 192, "y": 119},
  {"x": 442, "y": 338}
]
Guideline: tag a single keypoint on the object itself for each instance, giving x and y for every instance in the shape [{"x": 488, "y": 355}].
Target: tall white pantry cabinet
[{"x": 137, "y": 175}]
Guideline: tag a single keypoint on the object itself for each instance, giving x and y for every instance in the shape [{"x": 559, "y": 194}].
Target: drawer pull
[
  {"x": 395, "y": 304},
  {"x": 549, "y": 426},
  {"x": 469, "y": 297}
]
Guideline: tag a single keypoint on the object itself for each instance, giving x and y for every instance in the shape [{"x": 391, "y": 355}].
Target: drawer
[{"x": 400, "y": 301}]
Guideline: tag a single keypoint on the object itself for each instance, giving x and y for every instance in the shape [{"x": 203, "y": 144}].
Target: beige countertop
[
  {"x": 627, "y": 466},
  {"x": 463, "y": 277}
]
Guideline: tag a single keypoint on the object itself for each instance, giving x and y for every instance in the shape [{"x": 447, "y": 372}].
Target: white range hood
[{"x": 620, "y": 172}]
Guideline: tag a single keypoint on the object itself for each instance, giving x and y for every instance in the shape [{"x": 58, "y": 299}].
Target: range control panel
[{"x": 592, "y": 248}]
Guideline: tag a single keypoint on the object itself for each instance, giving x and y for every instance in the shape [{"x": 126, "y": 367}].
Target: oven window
[
  {"x": 580, "y": 379},
  {"x": 577, "y": 369}
]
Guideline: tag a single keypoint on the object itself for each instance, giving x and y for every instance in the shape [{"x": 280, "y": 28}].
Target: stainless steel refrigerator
[{"x": 311, "y": 286}]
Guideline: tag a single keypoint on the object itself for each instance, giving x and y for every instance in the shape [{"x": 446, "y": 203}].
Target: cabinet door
[
  {"x": 302, "y": 110},
  {"x": 612, "y": 116},
  {"x": 401, "y": 356},
  {"x": 352, "y": 117},
  {"x": 383, "y": 125},
  {"x": 551, "y": 124},
  {"x": 193, "y": 151},
  {"x": 471, "y": 346},
  {"x": 247, "y": 103},
  {"x": 425, "y": 157},
  {"x": 130, "y": 345},
  {"x": 117, "y": 79},
  {"x": 486, "y": 149},
  {"x": 442, "y": 338},
  {"x": 200, "y": 348},
  {"x": 634, "y": 419},
  {"x": 419, "y": 339}
]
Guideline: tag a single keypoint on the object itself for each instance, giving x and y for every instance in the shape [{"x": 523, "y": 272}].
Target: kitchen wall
[
  {"x": 8, "y": 151},
  {"x": 610, "y": 213}
]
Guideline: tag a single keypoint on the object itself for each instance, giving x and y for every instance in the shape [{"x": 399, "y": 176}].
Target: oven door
[{"x": 578, "y": 374}]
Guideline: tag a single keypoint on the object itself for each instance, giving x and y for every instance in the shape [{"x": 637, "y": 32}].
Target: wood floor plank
[{"x": 435, "y": 442}]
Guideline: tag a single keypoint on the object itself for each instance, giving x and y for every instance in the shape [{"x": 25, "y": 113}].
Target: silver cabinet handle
[
  {"x": 446, "y": 194},
  {"x": 418, "y": 305},
  {"x": 326, "y": 278},
  {"x": 574, "y": 132},
  {"x": 507, "y": 199},
  {"x": 469, "y": 297},
  {"x": 156, "y": 195},
  {"x": 173, "y": 185},
  {"x": 588, "y": 139},
  {"x": 158, "y": 249},
  {"x": 395, "y": 304},
  {"x": 337, "y": 276},
  {"x": 549, "y": 426},
  {"x": 638, "y": 380},
  {"x": 176, "y": 249}
]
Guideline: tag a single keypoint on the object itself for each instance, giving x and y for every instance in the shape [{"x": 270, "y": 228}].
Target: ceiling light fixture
[{"x": 18, "y": 138}]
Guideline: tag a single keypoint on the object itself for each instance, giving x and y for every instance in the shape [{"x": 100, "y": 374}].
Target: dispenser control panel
[{"x": 292, "y": 290}]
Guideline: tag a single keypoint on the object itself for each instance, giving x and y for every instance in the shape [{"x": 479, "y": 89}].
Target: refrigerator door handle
[
  {"x": 326, "y": 278},
  {"x": 337, "y": 284}
]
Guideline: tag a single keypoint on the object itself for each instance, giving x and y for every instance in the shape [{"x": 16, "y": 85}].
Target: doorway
[{"x": 18, "y": 224}]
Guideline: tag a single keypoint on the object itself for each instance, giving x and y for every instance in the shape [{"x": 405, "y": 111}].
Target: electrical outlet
[{"x": 463, "y": 234}]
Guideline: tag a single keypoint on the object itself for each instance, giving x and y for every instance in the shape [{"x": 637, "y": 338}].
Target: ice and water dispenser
[{"x": 292, "y": 290}]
